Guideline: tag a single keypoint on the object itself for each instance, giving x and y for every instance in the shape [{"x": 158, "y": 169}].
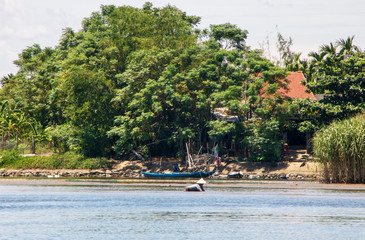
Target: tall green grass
[{"x": 341, "y": 149}]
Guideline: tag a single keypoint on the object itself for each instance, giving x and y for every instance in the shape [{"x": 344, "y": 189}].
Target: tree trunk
[
  {"x": 200, "y": 139},
  {"x": 33, "y": 144},
  {"x": 182, "y": 151}
]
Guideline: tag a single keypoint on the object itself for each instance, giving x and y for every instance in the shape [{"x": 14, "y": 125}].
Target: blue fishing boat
[{"x": 178, "y": 175}]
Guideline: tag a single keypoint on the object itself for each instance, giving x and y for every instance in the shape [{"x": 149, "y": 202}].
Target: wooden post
[
  {"x": 182, "y": 151},
  {"x": 309, "y": 147},
  {"x": 33, "y": 144},
  {"x": 189, "y": 157}
]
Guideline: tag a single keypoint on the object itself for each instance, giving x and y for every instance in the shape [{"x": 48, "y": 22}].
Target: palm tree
[
  {"x": 25, "y": 125},
  {"x": 16, "y": 123},
  {"x": 328, "y": 50},
  {"x": 6, "y": 79},
  {"x": 317, "y": 57},
  {"x": 297, "y": 64},
  {"x": 346, "y": 46}
]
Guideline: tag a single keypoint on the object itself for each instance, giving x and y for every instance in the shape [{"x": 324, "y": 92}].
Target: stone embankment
[
  {"x": 293, "y": 170},
  {"x": 135, "y": 172},
  {"x": 30, "y": 173},
  {"x": 276, "y": 176}
]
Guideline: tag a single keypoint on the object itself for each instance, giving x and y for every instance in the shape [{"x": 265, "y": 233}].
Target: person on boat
[
  {"x": 176, "y": 168},
  {"x": 198, "y": 187}
]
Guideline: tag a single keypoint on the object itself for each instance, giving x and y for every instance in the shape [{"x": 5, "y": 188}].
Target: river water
[{"x": 165, "y": 211}]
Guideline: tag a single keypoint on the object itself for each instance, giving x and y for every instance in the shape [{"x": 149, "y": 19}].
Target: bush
[
  {"x": 68, "y": 160},
  {"x": 341, "y": 149},
  {"x": 264, "y": 140},
  {"x": 9, "y": 157}
]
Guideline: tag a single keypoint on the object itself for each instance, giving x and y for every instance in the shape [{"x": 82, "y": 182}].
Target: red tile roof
[{"x": 295, "y": 88}]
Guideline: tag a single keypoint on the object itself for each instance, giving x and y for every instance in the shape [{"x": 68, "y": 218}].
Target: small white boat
[
  {"x": 235, "y": 174},
  {"x": 53, "y": 176}
]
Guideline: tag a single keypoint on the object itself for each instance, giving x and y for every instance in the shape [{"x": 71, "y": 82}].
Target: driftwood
[
  {"x": 138, "y": 155},
  {"x": 190, "y": 160}
]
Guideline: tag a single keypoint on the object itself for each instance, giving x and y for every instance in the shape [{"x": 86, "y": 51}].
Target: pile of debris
[{"x": 200, "y": 162}]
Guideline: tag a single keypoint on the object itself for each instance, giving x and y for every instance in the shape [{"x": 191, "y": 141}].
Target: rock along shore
[{"x": 132, "y": 169}]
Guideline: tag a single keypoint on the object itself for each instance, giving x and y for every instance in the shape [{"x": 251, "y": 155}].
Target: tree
[
  {"x": 17, "y": 124},
  {"x": 290, "y": 59},
  {"x": 346, "y": 46},
  {"x": 264, "y": 139},
  {"x": 228, "y": 36},
  {"x": 337, "y": 72},
  {"x": 284, "y": 48},
  {"x": 89, "y": 110},
  {"x": 329, "y": 50}
]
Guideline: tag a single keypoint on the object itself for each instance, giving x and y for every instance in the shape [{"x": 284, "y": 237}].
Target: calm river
[{"x": 107, "y": 210}]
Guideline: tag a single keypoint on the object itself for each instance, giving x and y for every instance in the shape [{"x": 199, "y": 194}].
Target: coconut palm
[
  {"x": 346, "y": 46},
  {"x": 317, "y": 57},
  {"x": 328, "y": 50},
  {"x": 6, "y": 79},
  {"x": 297, "y": 64}
]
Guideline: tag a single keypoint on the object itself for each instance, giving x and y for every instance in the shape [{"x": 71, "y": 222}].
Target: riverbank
[{"x": 132, "y": 169}]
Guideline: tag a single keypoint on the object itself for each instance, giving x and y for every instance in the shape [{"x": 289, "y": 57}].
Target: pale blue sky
[{"x": 309, "y": 23}]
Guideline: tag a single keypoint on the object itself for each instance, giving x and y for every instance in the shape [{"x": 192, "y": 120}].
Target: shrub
[
  {"x": 264, "y": 140},
  {"x": 68, "y": 160},
  {"x": 9, "y": 157}
]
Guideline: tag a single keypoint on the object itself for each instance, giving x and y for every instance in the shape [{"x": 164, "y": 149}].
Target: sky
[{"x": 310, "y": 23}]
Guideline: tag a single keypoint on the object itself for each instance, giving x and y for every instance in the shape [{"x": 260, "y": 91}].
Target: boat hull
[
  {"x": 179, "y": 175},
  {"x": 235, "y": 175}
]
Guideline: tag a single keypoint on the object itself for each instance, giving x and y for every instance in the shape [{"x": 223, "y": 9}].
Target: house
[{"x": 295, "y": 89}]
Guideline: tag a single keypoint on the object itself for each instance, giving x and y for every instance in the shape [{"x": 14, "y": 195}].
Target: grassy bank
[{"x": 69, "y": 160}]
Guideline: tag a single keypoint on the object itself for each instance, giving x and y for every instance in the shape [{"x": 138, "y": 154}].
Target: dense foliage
[
  {"x": 341, "y": 147},
  {"x": 140, "y": 79},
  {"x": 148, "y": 81},
  {"x": 17, "y": 126}
]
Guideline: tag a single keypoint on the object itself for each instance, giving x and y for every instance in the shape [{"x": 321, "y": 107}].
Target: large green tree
[{"x": 338, "y": 76}]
